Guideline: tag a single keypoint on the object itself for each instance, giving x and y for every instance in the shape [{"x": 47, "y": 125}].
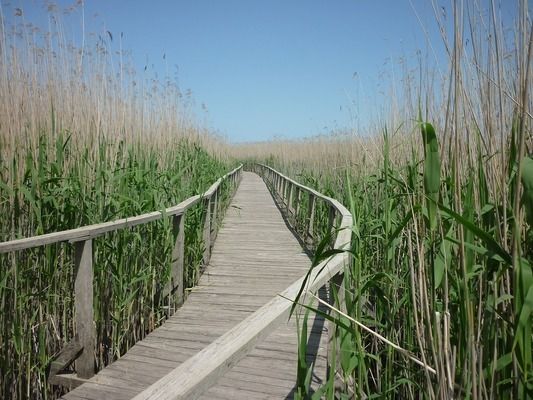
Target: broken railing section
[{"x": 81, "y": 349}]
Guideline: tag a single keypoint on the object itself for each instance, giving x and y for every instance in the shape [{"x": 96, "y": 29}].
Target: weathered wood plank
[
  {"x": 68, "y": 381},
  {"x": 66, "y": 356},
  {"x": 92, "y": 231},
  {"x": 83, "y": 304}
]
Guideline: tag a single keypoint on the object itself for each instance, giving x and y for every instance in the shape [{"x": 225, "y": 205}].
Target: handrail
[
  {"x": 343, "y": 238},
  {"x": 94, "y": 230},
  {"x": 81, "y": 348},
  {"x": 197, "y": 374}
]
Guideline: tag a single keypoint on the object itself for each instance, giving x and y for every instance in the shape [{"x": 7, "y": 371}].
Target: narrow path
[{"x": 255, "y": 256}]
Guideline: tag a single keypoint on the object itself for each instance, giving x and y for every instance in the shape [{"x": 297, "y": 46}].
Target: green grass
[{"x": 437, "y": 281}]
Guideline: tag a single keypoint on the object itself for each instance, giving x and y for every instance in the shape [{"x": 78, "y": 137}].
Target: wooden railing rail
[
  {"x": 290, "y": 195},
  {"x": 200, "y": 372},
  {"x": 81, "y": 348}
]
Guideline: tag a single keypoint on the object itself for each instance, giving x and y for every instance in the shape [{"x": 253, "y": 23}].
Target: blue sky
[{"x": 271, "y": 68}]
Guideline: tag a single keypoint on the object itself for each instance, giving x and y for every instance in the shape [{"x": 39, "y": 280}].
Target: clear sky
[{"x": 269, "y": 68}]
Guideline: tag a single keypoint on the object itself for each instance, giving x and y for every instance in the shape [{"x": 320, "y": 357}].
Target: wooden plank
[
  {"x": 64, "y": 358},
  {"x": 68, "y": 381},
  {"x": 193, "y": 377},
  {"x": 92, "y": 231},
  {"x": 99, "y": 391}
]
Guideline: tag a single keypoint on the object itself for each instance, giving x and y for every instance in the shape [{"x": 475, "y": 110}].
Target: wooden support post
[
  {"x": 336, "y": 285},
  {"x": 297, "y": 207},
  {"x": 220, "y": 201},
  {"x": 178, "y": 257},
  {"x": 311, "y": 215},
  {"x": 83, "y": 303},
  {"x": 290, "y": 199},
  {"x": 214, "y": 223},
  {"x": 207, "y": 231},
  {"x": 331, "y": 224}
]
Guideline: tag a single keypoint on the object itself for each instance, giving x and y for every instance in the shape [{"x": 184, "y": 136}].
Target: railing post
[
  {"x": 297, "y": 207},
  {"x": 176, "y": 268},
  {"x": 207, "y": 231},
  {"x": 336, "y": 284},
  {"x": 214, "y": 205},
  {"x": 311, "y": 215},
  {"x": 83, "y": 303},
  {"x": 331, "y": 222},
  {"x": 291, "y": 198}
]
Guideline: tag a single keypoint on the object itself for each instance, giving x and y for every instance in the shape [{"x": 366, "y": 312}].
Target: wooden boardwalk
[{"x": 254, "y": 258}]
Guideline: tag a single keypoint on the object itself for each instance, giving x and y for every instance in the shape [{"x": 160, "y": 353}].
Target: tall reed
[
  {"x": 441, "y": 252},
  {"x": 84, "y": 138}
]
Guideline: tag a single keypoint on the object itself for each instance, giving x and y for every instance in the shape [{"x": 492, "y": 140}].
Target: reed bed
[
  {"x": 84, "y": 138},
  {"x": 436, "y": 302}
]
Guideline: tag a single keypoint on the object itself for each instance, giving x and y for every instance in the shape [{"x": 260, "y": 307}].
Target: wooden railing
[
  {"x": 200, "y": 372},
  {"x": 81, "y": 347}
]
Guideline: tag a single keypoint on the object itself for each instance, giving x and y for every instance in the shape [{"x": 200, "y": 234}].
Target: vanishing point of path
[{"x": 254, "y": 258}]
